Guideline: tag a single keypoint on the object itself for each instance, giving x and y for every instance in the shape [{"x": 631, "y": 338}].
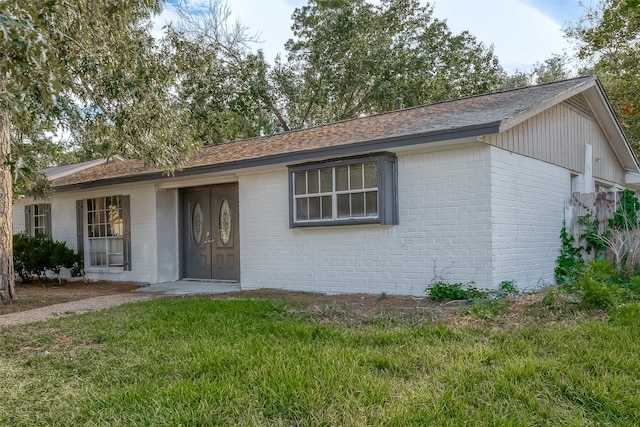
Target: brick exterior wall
[
  {"x": 528, "y": 206},
  {"x": 443, "y": 233},
  {"x": 143, "y": 230},
  {"x": 474, "y": 214}
]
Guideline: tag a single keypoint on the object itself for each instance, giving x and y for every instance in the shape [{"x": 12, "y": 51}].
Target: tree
[
  {"x": 92, "y": 69},
  {"x": 351, "y": 58},
  {"x": 608, "y": 41},
  {"x": 552, "y": 69},
  {"x": 218, "y": 73},
  {"x": 348, "y": 59}
]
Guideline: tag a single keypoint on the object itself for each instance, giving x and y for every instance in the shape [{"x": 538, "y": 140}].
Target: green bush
[
  {"x": 569, "y": 262},
  {"x": 33, "y": 256},
  {"x": 597, "y": 294},
  {"x": 508, "y": 287},
  {"x": 602, "y": 286},
  {"x": 441, "y": 291},
  {"x": 626, "y": 216}
]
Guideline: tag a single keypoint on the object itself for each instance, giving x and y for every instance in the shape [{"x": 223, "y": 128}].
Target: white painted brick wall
[
  {"x": 143, "y": 230},
  {"x": 167, "y": 234},
  {"x": 477, "y": 214},
  {"x": 444, "y": 232},
  {"x": 528, "y": 198},
  {"x": 18, "y": 215}
]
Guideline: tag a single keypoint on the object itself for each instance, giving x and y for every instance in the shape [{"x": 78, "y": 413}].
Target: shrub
[
  {"x": 33, "y": 256},
  {"x": 594, "y": 242},
  {"x": 597, "y": 294},
  {"x": 508, "y": 287},
  {"x": 569, "y": 261},
  {"x": 441, "y": 291},
  {"x": 601, "y": 286},
  {"x": 626, "y": 216}
]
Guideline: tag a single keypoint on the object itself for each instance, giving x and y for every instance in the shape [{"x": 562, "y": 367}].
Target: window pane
[
  {"x": 115, "y": 252},
  {"x": 302, "y": 211},
  {"x": 300, "y": 182},
  {"x": 371, "y": 203},
  {"x": 98, "y": 251},
  {"x": 115, "y": 246},
  {"x": 356, "y": 177},
  {"x": 314, "y": 208},
  {"x": 112, "y": 201},
  {"x": 357, "y": 204},
  {"x": 326, "y": 180},
  {"x": 371, "y": 175},
  {"x": 326, "y": 208},
  {"x": 342, "y": 178},
  {"x": 343, "y": 206},
  {"x": 312, "y": 177}
]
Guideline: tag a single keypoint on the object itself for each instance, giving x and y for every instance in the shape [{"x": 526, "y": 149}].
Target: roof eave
[{"x": 302, "y": 156}]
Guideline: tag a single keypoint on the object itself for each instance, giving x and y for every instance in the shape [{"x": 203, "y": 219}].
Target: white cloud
[{"x": 521, "y": 35}]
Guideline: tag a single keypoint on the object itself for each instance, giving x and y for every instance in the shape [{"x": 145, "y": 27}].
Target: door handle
[{"x": 207, "y": 240}]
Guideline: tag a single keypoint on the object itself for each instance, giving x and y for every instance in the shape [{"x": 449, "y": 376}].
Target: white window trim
[{"x": 88, "y": 239}]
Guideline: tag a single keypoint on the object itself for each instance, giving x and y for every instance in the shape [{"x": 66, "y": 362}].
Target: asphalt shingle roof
[{"x": 477, "y": 115}]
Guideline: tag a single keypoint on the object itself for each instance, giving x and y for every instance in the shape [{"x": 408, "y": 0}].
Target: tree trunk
[{"x": 7, "y": 279}]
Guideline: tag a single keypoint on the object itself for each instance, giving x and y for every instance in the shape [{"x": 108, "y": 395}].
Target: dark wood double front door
[{"x": 210, "y": 237}]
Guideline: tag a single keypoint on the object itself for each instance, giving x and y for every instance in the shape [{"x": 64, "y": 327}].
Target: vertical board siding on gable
[
  {"x": 528, "y": 205},
  {"x": 444, "y": 232},
  {"x": 558, "y": 135}
]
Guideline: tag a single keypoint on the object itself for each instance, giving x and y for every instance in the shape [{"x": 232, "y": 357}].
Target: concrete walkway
[
  {"x": 72, "y": 307},
  {"x": 190, "y": 287},
  {"x": 145, "y": 293}
]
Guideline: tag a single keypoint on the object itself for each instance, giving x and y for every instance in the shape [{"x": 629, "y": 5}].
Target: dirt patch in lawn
[
  {"x": 364, "y": 308},
  {"x": 350, "y": 309},
  {"x": 37, "y": 294}
]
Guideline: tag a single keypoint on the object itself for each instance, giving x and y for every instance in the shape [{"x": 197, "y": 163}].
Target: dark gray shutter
[
  {"x": 47, "y": 219},
  {"x": 28, "y": 220},
  {"x": 126, "y": 235},
  {"x": 80, "y": 227}
]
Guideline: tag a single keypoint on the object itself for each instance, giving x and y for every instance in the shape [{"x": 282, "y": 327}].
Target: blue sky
[
  {"x": 523, "y": 32},
  {"x": 560, "y": 10}
]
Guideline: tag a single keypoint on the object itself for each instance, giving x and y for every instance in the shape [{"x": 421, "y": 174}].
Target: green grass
[{"x": 202, "y": 362}]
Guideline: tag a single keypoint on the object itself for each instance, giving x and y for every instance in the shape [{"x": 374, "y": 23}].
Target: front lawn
[{"x": 198, "y": 361}]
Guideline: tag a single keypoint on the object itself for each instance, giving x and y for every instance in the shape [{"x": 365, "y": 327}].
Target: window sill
[
  {"x": 105, "y": 270},
  {"x": 337, "y": 223}
]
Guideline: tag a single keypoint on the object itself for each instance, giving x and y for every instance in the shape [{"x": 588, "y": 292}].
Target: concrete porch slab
[{"x": 190, "y": 287}]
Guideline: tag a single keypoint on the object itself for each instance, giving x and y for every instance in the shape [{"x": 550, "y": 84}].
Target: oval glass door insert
[
  {"x": 196, "y": 223},
  {"x": 224, "y": 222}
]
